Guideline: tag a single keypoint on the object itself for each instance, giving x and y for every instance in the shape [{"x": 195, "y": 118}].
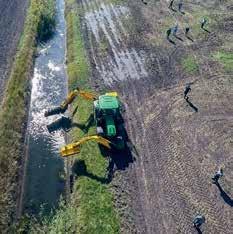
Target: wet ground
[
  {"x": 44, "y": 179},
  {"x": 11, "y": 24},
  {"x": 179, "y": 144}
]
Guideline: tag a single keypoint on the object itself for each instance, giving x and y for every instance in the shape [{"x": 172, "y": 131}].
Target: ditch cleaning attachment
[
  {"x": 71, "y": 97},
  {"x": 75, "y": 148}
]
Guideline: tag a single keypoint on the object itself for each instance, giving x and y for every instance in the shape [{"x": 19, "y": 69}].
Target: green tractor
[
  {"x": 109, "y": 122},
  {"x": 107, "y": 114}
]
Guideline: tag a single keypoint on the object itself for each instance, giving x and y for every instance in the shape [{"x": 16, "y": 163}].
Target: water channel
[{"x": 43, "y": 183}]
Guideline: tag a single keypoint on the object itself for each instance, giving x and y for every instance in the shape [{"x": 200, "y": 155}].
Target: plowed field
[
  {"x": 179, "y": 144},
  {"x": 11, "y": 25}
]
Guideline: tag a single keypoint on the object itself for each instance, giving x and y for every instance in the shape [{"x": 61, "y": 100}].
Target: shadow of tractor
[
  {"x": 118, "y": 160},
  {"x": 79, "y": 168}
]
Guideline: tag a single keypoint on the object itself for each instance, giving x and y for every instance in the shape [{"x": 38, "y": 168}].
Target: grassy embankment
[
  {"x": 92, "y": 199},
  {"x": 13, "y": 112},
  {"x": 90, "y": 209}
]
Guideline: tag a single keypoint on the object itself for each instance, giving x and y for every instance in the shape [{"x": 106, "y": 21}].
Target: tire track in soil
[
  {"x": 163, "y": 169},
  {"x": 150, "y": 209},
  {"x": 179, "y": 165},
  {"x": 172, "y": 165},
  {"x": 156, "y": 176},
  {"x": 11, "y": 29},
  {"x": 212, "y": 211},
  {"x": 128, "y": 64}
]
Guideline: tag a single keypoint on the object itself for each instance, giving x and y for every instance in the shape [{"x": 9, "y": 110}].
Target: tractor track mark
[
  {"x": 153, "y": 169},
  {"x": 178, "y": 165},
  {"x": 171, "y": 183},
  {"x": 9, "y": 35}
]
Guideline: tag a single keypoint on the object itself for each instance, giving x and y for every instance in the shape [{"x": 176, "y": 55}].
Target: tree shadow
[
  {"x": 79, "y": 168},
  {"x": 224, "y": 195},
  {"x": 191, "y": 104}
]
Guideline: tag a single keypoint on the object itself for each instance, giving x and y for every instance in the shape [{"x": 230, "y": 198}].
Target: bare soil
[
  {"x": 177, "y": 149},
  {"x": 11, "y": 24}
]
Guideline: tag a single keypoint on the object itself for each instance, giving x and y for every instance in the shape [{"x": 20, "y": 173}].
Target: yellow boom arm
[
  {"x": 72, "y": 95},
  {"x": 75, "y": 148}
]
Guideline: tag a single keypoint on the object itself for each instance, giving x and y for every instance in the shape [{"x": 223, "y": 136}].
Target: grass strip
[{"x": 13, "y": 112}]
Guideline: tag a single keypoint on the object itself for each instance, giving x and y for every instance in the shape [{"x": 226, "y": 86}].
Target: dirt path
[
  {"x": 178, "y": 150},
  {"x": 11, "y": 24}
]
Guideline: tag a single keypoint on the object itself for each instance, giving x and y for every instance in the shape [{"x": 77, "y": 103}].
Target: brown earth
[
  {"x": 177, "y": 150},
  {"x": 11, "y": 25}
]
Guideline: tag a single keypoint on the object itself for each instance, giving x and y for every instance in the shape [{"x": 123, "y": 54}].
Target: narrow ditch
[{"x": 43, "y": 181}]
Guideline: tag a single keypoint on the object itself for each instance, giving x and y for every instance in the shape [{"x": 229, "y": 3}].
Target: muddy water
[
  {"x": 43, "y": 183},
  {"x": 105, "y": 20}
]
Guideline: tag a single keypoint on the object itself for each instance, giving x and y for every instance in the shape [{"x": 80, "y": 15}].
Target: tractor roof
[{"x": 108, "y": 102}]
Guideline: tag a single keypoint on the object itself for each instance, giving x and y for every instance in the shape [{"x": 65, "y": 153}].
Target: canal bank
[
  {"x": 44, "y": 171},
  {"x": 14, "y": 109},
  {"x": 90, "y": 204}
]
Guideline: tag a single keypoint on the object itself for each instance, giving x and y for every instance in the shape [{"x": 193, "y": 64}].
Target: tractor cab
[{"x": 108, "y": 118}]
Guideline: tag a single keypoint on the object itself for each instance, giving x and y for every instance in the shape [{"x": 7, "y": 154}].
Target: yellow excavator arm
[
  {"x": 73, "y": 94},
  {"x": 75, "y": 148},
  {"x": 87, "y": 95}
]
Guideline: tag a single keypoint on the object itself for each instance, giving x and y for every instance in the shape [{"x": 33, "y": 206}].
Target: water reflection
[{"x": 45, "y": 167}]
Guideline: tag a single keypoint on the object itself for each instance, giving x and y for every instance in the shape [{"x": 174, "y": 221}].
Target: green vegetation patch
[
  {"x": 91, "y": 208},
  {"x": 91, "y": 197},
  {"x": 190, "y": 65},
  {"x": 225, "y": 58},
  {"x": 13, "y": 112}
]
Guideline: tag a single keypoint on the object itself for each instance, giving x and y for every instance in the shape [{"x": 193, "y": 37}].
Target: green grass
[
  {"x": 225, "y": 58},
  {"x": 13, "y": 112},
  {"x": 92, "y": 200},
  {"x": 91, "y": 208},
  {"x": 189, "y": 64}
]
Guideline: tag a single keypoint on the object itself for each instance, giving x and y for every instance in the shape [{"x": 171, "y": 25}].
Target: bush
[{"x": 47, "y": 21}]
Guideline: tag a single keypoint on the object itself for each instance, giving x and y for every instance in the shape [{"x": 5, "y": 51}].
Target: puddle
[
  {"x": 124, "y": 63},
  {"x": 43, "y": 185}
]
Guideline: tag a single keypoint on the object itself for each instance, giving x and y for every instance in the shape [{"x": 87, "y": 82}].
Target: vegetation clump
[
  {"x": 190, "y": 65},
  {"x": 47, "y": 23},
  {"x": 226, "y": 59}
]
